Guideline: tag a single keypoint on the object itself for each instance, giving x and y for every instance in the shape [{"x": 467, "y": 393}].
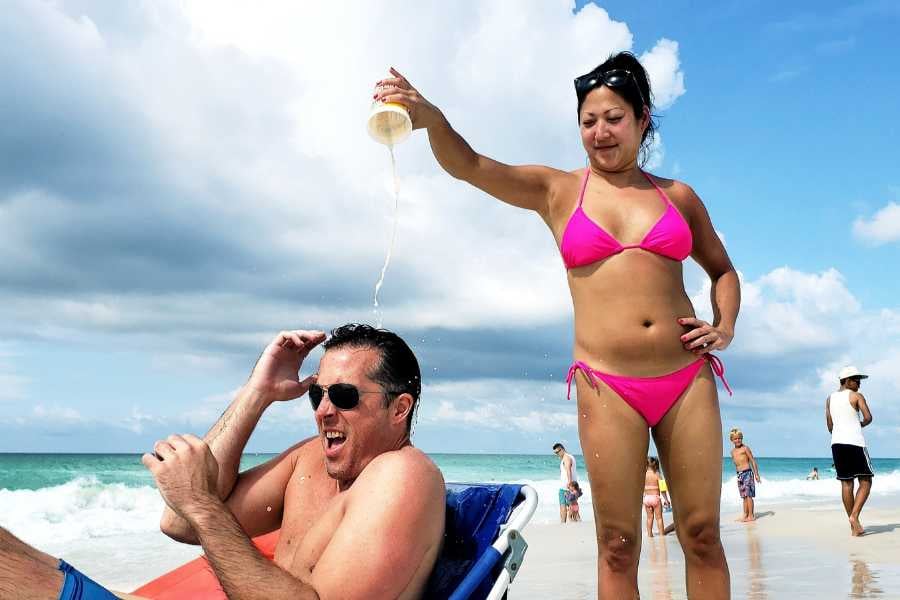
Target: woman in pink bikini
[{"x": 645, "y": 359}]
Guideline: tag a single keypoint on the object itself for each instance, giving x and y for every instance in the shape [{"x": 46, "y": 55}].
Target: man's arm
[
  {"x": 864, "y": 409},
  {"x": 567, "y": 462},
  {"x": 274, "y": 378},
  {"x": 244, "y": 573},
  {"x": 390, "y": 533},
  {"x": 753, "y": 464},
  {"x": 828, "y": 420}
]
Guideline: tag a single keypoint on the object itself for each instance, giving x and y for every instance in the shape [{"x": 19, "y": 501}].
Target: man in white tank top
[
  {"x": 848, "y": 446},
  {"x": 567, "y": 475}
]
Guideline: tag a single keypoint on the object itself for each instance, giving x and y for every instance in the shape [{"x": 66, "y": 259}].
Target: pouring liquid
[{"x": 387, "y": 259}]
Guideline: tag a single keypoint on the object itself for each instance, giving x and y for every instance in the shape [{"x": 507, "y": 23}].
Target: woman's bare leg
[
  {"x": 689, "y": 439},
  {"x": 614, "y": 439}
]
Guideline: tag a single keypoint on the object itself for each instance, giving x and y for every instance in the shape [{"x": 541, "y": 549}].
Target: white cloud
[
  {"x": 498, "y": 416},
  {"x": 13, "y": 386},
  {"x": 666, "y": 77},
  {"x": 787, "y": 311},
  {"x": 525, "y": 405},
  {"x": 138, "y": 420},
  {"x": 268, "y": 103},
  {"x": 56, "y": 413},
  {"x": 881, "y": 228}
]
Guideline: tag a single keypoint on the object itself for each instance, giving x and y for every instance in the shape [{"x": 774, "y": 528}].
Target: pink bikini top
[{"x": 584, "y": 242}]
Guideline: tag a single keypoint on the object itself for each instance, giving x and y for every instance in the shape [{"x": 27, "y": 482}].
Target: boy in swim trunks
[{"x": 747, "y": 473}]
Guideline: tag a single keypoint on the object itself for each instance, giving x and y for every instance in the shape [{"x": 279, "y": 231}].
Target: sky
[{"x": 180, "y": 180}]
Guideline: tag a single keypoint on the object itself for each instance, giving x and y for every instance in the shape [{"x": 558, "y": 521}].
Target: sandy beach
[{"x": 789, "y": 552}]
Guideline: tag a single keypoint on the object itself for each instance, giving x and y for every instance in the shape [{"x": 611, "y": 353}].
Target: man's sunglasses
[
  {"x": 344, "y": 396},
  {"x": 614, "y": 78}
]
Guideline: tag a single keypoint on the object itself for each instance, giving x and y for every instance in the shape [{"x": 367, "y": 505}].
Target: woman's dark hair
[
  {"x": 637, "y": 94},
  {"x": 397, "y": 372}
]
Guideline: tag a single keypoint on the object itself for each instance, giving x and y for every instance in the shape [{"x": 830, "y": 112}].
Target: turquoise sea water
[{"x": 37, "y": 471}]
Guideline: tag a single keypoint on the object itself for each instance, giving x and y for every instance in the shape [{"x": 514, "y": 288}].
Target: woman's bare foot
[{"x": 856, "y": 528}]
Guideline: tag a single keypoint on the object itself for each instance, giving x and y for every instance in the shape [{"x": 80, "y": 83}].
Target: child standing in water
[
  {"x": 747, "y": 473},
  {"x": 572, "y": 495},
  {"x": 652, "y": 501}
]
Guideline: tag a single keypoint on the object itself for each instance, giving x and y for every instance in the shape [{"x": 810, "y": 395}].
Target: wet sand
[{"x": 789, "y": 552}]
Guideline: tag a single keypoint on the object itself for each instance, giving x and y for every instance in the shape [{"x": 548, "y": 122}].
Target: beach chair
[
  {"x": 483, "y": 549},
  {"x": 483, "y": 545}
]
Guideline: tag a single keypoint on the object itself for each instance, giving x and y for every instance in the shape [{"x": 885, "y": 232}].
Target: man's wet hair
[
  {"x": 397, "y": 371},
  {"x": 558, "y": 446}
]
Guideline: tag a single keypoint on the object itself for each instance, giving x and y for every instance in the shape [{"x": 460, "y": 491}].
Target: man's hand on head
[
  {"x": 276, "y": 374},
  {"x": 185, "y": 471}
]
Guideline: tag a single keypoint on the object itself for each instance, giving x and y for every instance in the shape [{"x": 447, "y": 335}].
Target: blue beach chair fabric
[{"x": 483, "y": 548}]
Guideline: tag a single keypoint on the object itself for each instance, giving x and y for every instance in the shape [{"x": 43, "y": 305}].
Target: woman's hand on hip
[
  {"x": 703, "y": 337},
  {"x": 398, "y": 89}
]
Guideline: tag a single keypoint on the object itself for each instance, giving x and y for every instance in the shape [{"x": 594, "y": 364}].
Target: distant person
[
  {"x": 747, "y": 473},
  {"x": 652, "y": 497},
  {"x": 848, "y": 446},
  {"x": 814, "y": 474},
  {"x": 567, "y": 475},
  {"x": 357, "y": 494},
  {"x": 572, "y": 497}
]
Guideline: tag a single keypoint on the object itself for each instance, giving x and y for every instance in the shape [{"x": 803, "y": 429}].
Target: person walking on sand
[
  {"x": 848, "y": 446},
  {"x": 643, "y": 362},
  {"x": 567, "y": 475},
  {"x": 747, "y": 473}
]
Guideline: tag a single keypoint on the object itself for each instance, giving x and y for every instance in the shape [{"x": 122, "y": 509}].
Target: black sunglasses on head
[
  {"x": 614, "y": 78},
  {"x": 344, "y": 396}
]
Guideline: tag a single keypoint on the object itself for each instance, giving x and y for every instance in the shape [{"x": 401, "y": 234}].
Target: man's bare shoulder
[{"x": 407, "y": 471}]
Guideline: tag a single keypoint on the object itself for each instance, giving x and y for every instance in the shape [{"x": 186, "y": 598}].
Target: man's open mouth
[{"x": 333, "y": 439}]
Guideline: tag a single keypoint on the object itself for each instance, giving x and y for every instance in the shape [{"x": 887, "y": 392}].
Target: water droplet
[{"x": 268, "y": 509}]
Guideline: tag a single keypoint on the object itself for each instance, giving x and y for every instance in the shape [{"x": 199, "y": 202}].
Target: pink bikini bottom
[
  {"x": 651, "y": 397},
  {"x": 651, "y": 500}
]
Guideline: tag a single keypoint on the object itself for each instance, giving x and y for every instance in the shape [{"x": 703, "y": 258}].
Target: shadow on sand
[{"x": 876, "y": 529}]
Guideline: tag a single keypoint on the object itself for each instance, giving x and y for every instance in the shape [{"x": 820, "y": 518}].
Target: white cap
[{"x": 850, "y": 371}]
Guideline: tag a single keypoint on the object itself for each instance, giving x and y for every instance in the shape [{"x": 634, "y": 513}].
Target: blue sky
[{"x": 182, "y": 180}]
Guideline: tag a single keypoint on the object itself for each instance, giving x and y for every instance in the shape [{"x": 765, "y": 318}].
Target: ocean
[{"x": 92, "y": 505}]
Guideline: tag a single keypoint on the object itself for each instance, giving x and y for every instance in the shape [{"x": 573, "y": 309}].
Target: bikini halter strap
[{"x": 587, "y": 174}]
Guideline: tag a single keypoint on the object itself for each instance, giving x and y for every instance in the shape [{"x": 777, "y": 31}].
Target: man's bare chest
[{"x": 312, "y": 511}]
